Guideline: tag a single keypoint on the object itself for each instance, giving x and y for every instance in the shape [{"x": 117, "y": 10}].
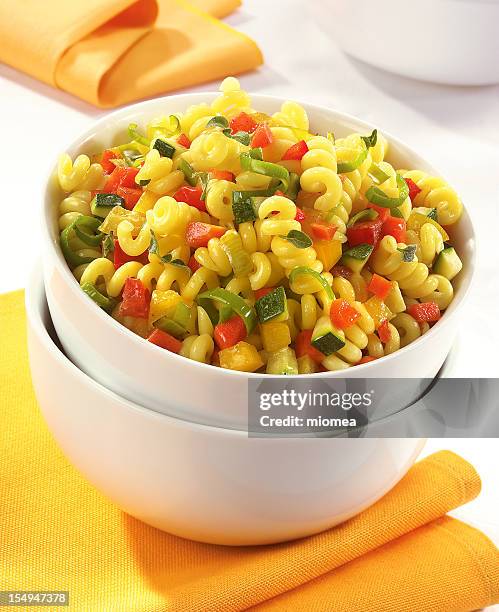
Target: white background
[{"x": 457, "y": 129}]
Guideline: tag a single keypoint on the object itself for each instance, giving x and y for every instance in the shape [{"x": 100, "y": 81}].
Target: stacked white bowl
[{"x": 165, "y": 438}]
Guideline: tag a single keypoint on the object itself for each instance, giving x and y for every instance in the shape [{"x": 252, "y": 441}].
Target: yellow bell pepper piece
[
  {"x": 378, "y": 310},
  {"x": 328, "y": 252},
  {"x": 275, "y": 336},
  {"x": 242, "y": 357},
  {"x": 417, "y": 220},
  {"x": 163, "y": 303},
  {"x": 146, "y": 201},
  {"x": 119, "y": 214}
]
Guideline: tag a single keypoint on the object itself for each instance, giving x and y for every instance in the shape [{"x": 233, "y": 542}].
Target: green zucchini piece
[
  {"x": 448, "y": 263},
  {"x": 271, "y": 305},
  {"x": 165, "y": 148},
  {"x": 103, "y": 203},
  {"x": 325, "y": 338},
  {"x": 243, "y": 207},
  {"x": 282, "y": 362},
  {"x": 356, "y": 257}
]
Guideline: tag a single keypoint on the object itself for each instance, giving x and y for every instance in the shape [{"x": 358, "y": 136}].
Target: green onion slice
[
  {"x": 377, "y": 175},
  {"x": 364, "y": 215},
  {"x": 235, "y": 302},
  {"x": 103, "y": 301},
  {"x": 266, "y": 169},
  {"x": 189, "y": 172},
  {"x": 87, "y": 230},
  {"x": 71, "y": 257},
  {"x": 369, "y": 141},
  {"x": 170, "y": 129},
  {"x": 378, "y": 197},
  {"x": 303, "y": 270},
  {"x": 108, "y": 245},
  {"x": 136, "y": 135}
]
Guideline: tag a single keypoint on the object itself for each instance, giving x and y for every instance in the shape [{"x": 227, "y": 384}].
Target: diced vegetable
[
  {"x": 377, "y": 175},
  {"x": 136, "y": 298},
  {"x": 275, "y": 335},
  {"x": 367, "y": 359},
  {"x": 378, "y": 310},
  {"x": 165, "y": 149},
  {"x": 193, "y": 264},
  {"x": 303, "y": 346},
  {"x": 394, "y": 227},
  {"x": 413, "y": 188},
  {"x": 342, "y": 314},
  {"x": 325, "y": 338},
  {"x": 163, "y": 303},
  {"x": 102, "y": 204},
  {"x": 243, "y": 207},
  {"x": 222, "y": 175},
  {"x": 242, "y": 357},
  {"x": 183, "y": 141},
  {"x": 165, "y": 340},
  {"x": 119, "y": 214},
  {"x": 379, "y": 197},
  {"x": 234, "y": 301},
  {"x": 262, "y": 136},
  {"x": 230, "y": 332},
  {"x": 124, "y": 177},
  {"x": 368, "y": 214},
  {"x": 384, "y": 213},
  {"x": 448, "y": 263},
  {"x": 296, "y": 151},
  {"x": 199, "y": 234},
  {"x": 239, "y": 258},
  {"x": 342, "y": 271},
  {"x": 274, "y": 171},
  {"x": 300, "y": 215},
  {"x": 365, "y": 232},
  {"x": 191, "y": 196},
  {"x": 427, "y": 311},
  {"x": 302, "y": 274},
  {"x": 417, "y": 220},
  {"x": 120, "y": 257},
  {"x": 189, "y": 173},
  {"x": 106, "y": 163},
  {"x": 85, "y": 227},
  {"x": 271, "y": 305},
  {"x": 171, "y": 327},
  {"x": 242, "y": 123},
  {"x": 380, "y": 286},
  {"x": 356, "y": 257},
  {"x": 282, "y": 362},
  {"x": 328, "y": 252},
  {"x": 323, "y": 232},
  {"x": 384, "y": 332},
  {"x": 129, "y": 195},
  {"x": 263, "y": 291},
  {"x": 306, "y": 365}
]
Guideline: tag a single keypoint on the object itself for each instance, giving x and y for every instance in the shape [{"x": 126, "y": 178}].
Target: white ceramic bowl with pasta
[
  {"x": 168, "y": 383},
  {"x": 453, "y": 42},
  {"x": 204, "y": 483}
]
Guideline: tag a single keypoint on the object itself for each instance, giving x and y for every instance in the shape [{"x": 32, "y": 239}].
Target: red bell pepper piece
[
  {"x": 136, "y": 299},
  {"x": 367, "y": 359},
  {"x": 184, "y": 141},
  {"x": 427, "y": 311},
  {"x": 339, "y": 270},
  {"x": 365, "y": 232},
  {"x": 303, "y": 346},
  {"x": 243, "y": 123},
  {"x": 191, "y": 196},
  {"x": 222, "y": 175},
  {"x": 323, "y": 232},
  {"x": 383, "y": 212},
  {"x": 193, "y": 264},
  {"x": 300, "y": 215},
  {"x": 263, "y": 291},
  {"x": 342, "y": 315},
  {"x": 121, "y": 177},
  {"x": 230, "y": 332},
  {"x": 396, "y": 227},
  {"x": 120, "y": 257},
  {"x": 380, "y": 286},
  {"x": 413, "y": 188},
  {"x": 130, "y": 195},
  {"x": 199, "y": 234},
  {"x": 384, "y": 332},
  {"x": 106, "y": 163},
  {"x": 296, "y": 151},
  {"x": 165, "y": 340},
  {"x": 262, "y": 136}
]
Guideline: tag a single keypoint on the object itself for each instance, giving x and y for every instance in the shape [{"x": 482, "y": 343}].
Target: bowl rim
[{"x": 184, "y": 100}]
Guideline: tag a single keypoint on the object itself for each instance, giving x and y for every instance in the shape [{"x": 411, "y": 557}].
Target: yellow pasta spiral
[
  {"x": 114, "y": 280},
  {"x": 436, "y": 193},
  {"x": 283, "y": 221}
]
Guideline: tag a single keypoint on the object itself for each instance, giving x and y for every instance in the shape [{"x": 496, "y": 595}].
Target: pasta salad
[{"x": 249, "y": 242}]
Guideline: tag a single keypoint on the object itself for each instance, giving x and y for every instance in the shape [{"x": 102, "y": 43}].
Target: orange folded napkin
[
  {"x": 57, "y": 533},
  {"x": 110, "y": 52}
]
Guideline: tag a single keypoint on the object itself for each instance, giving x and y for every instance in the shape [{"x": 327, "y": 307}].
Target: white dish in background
[
  {"x": 168, "y": 383},
  {"x": 204, "y": 483},
  {"x": 454, "y": 42}
]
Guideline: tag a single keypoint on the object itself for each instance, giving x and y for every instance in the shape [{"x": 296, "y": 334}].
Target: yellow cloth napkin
[
  {"x": 56, "y": 532},
  {"x": 110, "y": 52}
]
